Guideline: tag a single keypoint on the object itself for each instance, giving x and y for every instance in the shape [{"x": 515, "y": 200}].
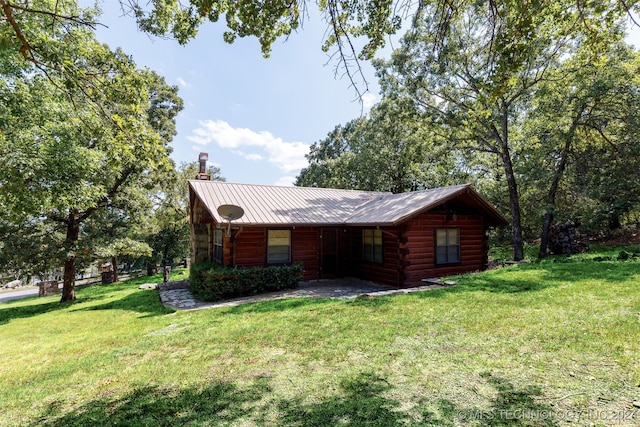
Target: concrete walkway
[{"x": 177, "y": 295}]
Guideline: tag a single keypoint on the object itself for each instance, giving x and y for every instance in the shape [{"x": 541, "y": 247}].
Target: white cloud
[
  {"x": 182, "y": 82},
  {"x": 249, "y": 156},
  {"x": 285, "y": 181},
  {"x": 369, "y": 100},
  {"x": 287, "y": 156}
]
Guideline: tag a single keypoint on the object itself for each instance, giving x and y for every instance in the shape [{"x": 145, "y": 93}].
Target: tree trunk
[
  {"x": 553, "y": 190},
  {"x": 71, "y": 240},
  {"x": 114, "y": 265},
  {"x": 614, "y": 222},
  {"x": 544, "y": 237},
  {"x": 514, "y": 206},
  {"x": 512, "y": 186},
  {"x": 151, "y": 269}
]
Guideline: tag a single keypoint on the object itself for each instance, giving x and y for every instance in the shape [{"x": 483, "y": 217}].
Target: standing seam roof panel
[{"x": 271, "y": 205}]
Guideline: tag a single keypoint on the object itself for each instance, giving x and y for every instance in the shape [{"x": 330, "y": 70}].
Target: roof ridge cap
[{"x": 351, "y": 190}]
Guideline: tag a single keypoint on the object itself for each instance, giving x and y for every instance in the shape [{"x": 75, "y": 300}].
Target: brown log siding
[
  {"x": 251, "y": 248},
  {"x": 408, "y": 250},
  {"x": 304, "y": 249},
  {"x": 390, "y": 271},
  {"x": 420, "y": 247}
]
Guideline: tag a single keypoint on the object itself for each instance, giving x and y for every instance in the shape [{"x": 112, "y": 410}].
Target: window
[
  {"x": 372, "y": 245},
  {"x": 447, "y": 245},
  {"x": 278, "y": 246},
  {"x": 217, "y": 245}
]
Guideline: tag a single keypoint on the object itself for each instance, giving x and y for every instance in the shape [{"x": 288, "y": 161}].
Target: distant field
[{"x": 549, "y": 343}]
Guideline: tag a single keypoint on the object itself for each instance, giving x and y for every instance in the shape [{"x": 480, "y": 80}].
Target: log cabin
[{"x": 394, "y": 239}]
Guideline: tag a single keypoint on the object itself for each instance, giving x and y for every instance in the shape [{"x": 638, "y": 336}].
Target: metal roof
[{"x": 277, "y": 206}]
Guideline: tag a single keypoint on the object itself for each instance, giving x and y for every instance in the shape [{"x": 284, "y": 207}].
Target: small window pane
[
  {"x": 368, "y": 252},
  {"x": 452, "y": 254},
  {"x": 279, "y": 254},
  {"x": 367, "y": 236},
  {"x": 377, "y": 254},
  {"x": 452, "y": 236},
  {"x": 217, "y": 245}
]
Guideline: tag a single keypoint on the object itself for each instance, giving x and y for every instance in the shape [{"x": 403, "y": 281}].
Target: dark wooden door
[{"x": 328, "y": 253}]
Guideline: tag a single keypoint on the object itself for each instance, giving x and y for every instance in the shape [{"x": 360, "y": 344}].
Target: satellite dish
[{"x": 230, "y": 212}]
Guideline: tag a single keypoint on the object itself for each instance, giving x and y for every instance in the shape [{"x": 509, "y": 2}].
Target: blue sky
[{"x": 255, "y": 117}]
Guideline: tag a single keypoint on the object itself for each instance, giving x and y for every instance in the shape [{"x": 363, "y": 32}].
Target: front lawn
[{"x": 549, "y": 343}]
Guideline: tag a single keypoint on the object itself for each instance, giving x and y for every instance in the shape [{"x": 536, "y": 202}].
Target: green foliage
[
  {"x": 124, "y": 247},
  {"x": 268, "y": 21},
  {"x": 392, "y": 149},
  {"x": 30, "y": 249},
  {"x": 356, "y": 29},
  {"x": 212, "y": 282},
  {"x": 80, "y": 139},
  {"x": 578, "y": 151},
  {"x": 478, "y": 80}
]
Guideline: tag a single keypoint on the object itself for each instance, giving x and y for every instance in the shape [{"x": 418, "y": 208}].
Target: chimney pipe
[{"x": 202, "y": 174}]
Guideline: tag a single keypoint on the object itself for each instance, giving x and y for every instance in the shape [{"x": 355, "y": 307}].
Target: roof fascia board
[{"x": 195, "y": 193}]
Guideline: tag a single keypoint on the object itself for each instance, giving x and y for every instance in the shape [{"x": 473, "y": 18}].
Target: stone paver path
[{"x": 177, "y": 295}]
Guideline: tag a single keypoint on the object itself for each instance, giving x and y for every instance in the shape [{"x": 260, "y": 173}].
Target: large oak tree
[
  {"x": 70, "y": 147},
  {"x": 478, "y": 80}
]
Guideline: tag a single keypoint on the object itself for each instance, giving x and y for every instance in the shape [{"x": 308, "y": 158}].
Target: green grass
[{"x": 548, "y": 343}]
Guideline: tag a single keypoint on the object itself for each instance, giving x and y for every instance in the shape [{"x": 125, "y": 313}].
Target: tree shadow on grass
[
  {"x": 361, "y": 403},
  {"x": 212, "y": 404},
  {"x": 278, "y": 305},
  {"x": 499, "y": 285},
  {"x": 495, "y": 281},
  {"x": 486, "y": 284},
  {"x": 364, "y": 400},
  {"x": 9, "y": 312},
  {"x": 144, "y": 302},
  {"x": 370, "y": 301},
  {"x": 513, "y": 406}
]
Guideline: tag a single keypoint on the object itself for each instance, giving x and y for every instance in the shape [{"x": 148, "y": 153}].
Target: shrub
[{"x": 212, "y": 282}]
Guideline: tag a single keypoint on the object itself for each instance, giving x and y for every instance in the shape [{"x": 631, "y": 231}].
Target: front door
[{"x": 328, "y": 253}]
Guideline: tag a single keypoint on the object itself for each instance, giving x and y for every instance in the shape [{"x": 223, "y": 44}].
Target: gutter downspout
[{"x": 233, "y": 247}]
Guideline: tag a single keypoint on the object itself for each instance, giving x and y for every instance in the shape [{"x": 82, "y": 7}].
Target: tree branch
[
  {"x": 25, "y": 49},
  {"x": 339, "y": 33},
  {"x": 54, "y": 15}
]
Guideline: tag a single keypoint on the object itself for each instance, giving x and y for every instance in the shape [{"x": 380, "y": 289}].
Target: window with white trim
[
  {"x": 372, "y": 245},
  {"x": 447, "y": 245},
  {"x": 278, "y": 246}
]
